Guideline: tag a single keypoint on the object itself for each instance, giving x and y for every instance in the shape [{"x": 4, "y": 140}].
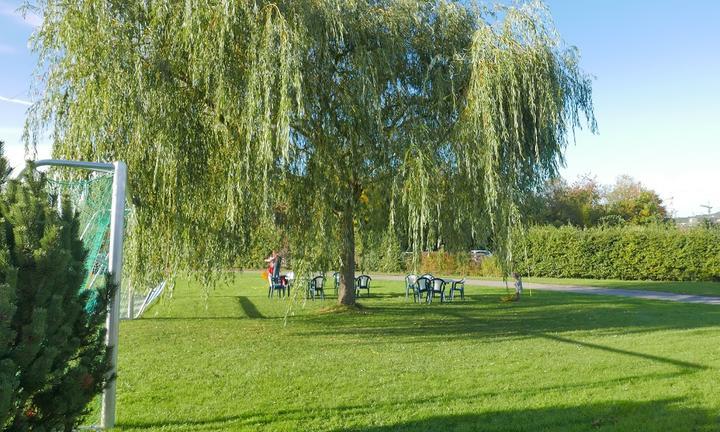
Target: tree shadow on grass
[
  {"x": 491, "y": 320},
  {"x": 661, "y": 415},
  {"x": 246, "y": 309},
  {"x": 643, "y": 356},
  {"x": 648, "y": 416},
  {"x": 249, "y": 308}
]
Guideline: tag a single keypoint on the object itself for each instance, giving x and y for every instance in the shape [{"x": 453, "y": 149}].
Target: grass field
[{"x": 553, "y": 361}]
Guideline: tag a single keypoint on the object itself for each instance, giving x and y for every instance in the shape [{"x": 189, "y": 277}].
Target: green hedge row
[
  {"x": 631, "y": 252},
  {"x": 626, "y": 252}
]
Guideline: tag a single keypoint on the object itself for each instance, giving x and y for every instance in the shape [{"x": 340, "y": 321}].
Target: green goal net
[{"x": 91, "y": 198}]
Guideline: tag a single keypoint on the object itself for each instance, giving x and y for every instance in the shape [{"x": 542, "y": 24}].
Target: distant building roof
[{"x": 694, "y": 220}]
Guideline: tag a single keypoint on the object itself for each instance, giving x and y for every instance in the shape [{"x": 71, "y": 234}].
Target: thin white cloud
[
  {"x": 16, "y": 101},
  {"x": 24, "y": 17}
]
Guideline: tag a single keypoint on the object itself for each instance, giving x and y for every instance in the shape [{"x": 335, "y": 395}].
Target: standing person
[
  {"x": 271, "y": 260},
  {"x": 518, "y": 285}
]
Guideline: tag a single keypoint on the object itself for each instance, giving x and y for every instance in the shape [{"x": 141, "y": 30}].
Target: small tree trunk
[{"x": 346, "y": 295}]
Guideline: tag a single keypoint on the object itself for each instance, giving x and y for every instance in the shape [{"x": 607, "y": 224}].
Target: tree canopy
[{"x": 323, "y": 119}]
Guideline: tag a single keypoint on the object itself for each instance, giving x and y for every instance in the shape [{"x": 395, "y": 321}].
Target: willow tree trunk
[{"x": 346, "y": 295}]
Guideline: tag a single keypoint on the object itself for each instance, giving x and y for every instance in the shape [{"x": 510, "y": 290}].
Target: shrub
[
  {"x": 391, "y": 256},
  {"x": 459, "y": 263},
  {"x": 53, "y": 360}
]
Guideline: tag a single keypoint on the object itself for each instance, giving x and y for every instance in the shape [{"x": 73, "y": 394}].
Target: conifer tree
[{"x": 53, "y": 360}]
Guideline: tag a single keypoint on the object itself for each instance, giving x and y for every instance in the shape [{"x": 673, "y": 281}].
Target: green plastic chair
[
  {"x": 437, "y": 286},
  {"x": 410, "y": 285},
  {"x": 362, "y": 282},
  {"x": 458, "y": 285},
  {"x": 422, "y": 285},
  {"x": 316, "y": 286}
]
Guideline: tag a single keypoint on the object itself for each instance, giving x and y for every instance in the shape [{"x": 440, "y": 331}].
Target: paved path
[{"x": 576, "y": 289}]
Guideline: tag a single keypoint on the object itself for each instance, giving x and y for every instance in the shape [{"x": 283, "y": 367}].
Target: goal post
[
  {"x": 117, "y": 227},
  {"x": 114, "y": 266}
]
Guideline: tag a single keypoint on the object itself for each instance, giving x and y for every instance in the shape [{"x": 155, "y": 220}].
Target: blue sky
[
  {"x": 657, "y": 92},
  {"x": 16, "y": 66}
]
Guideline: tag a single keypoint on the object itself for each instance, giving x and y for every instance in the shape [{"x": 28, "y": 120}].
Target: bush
[
  {"x": 53, "y": 360},
  {"x": 625, "y": 252},
  {"x": 459, "y": 263},
  {"x": 390, "y": 254}
]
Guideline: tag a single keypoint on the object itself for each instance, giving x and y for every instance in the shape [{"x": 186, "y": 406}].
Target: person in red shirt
[{"x": 271, "y": 260}]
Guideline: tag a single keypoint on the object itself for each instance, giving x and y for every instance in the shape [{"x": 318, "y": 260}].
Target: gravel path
[{"x": 641, "y": 294}]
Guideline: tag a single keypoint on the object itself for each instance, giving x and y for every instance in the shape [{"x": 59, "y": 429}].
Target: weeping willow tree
[{"x": 323, "y": 118}]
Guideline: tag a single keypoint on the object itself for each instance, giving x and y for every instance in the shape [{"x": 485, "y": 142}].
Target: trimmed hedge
[{"x": 630, "y": 252}]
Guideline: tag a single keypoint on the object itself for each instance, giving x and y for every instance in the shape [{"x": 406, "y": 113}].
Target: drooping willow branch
[{"x": 247, "y": 117}]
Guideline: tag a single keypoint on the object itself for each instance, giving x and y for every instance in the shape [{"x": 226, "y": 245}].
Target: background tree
[
  {"x": 322, "y": 117},
  {"x": 634, "y": 202},
  {"x": 580, "y": 204},
  {"x": 587, "y": 203},
  {"x": 5, "y": 168}
]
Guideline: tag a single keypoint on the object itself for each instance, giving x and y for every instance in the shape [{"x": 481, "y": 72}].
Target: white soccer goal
[{"x": 100, "y": 200}]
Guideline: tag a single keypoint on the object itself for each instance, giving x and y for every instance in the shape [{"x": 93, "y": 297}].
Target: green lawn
[
  {"x": 693, "y": 288},
  {"x": 553, "y": 361}
]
